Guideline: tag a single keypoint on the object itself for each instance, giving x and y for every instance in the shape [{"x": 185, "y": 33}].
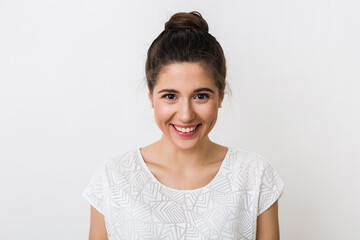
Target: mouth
[{"x": 186, "y": 131}]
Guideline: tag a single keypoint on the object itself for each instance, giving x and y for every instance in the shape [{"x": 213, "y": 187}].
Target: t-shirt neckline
[{"x": 223, "y": 163}]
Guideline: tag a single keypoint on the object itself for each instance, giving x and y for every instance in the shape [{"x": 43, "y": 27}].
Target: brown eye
[
  {"x": 168, "y": 96},
  {"x": 202, "y": 96}
]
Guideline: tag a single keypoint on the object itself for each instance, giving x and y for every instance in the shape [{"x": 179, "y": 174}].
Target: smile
[{"x": 186, "y": 131}]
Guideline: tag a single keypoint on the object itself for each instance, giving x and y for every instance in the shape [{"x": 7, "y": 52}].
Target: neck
[{"x": 185, "y": 159}]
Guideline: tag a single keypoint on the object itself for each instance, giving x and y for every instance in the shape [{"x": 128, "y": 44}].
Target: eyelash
[
  {"x": 166, "y": 96},
  {"x": 204, "y": 95}
]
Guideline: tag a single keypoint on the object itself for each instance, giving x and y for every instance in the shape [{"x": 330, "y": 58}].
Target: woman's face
[{"x": 186, "y": 102}]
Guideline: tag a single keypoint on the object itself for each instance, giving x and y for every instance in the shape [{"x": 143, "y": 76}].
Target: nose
[{"x": 186, "y": 112}]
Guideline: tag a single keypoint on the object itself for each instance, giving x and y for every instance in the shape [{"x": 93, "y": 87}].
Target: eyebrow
[{"x": 196, "y": 90}]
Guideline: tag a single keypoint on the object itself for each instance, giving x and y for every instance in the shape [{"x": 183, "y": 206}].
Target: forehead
[{"x": 184, "y": 76}]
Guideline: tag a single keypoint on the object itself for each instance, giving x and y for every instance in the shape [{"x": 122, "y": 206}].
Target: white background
[{"x": 73, "y": 93}]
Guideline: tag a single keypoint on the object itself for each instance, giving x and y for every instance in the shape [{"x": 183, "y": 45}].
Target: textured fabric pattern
[{"x": 137, "y": 206}]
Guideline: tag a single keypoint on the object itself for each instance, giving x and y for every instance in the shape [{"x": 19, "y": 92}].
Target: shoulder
[
  {"x": 254, "y": 171},
  {"x": 117, "y": 167},
  {"x": 245, "y": 159},
  {"x": 122, "y": 161}
]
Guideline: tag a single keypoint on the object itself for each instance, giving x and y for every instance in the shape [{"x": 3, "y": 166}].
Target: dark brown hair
[{"x": 186, "y": 38}]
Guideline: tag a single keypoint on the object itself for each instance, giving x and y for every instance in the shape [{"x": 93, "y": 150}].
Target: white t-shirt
[{"x": 137, "y": 206}]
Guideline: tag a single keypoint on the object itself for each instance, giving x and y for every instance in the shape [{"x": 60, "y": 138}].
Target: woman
[{"x": 185, "y": 186}]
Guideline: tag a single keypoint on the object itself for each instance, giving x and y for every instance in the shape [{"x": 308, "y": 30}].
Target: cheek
[
  {"x": 208, "y": 113},
  {"x": 162, "y": 113}
]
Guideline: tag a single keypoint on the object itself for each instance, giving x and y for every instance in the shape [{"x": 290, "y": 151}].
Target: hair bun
[{"x": 183, "y": 20}]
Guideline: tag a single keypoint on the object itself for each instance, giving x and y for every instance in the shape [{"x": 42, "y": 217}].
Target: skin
[
  {"x": 186, "y": 95},
  {"x": 268, "y": 224},
  {"x": 97, "y": 225}
]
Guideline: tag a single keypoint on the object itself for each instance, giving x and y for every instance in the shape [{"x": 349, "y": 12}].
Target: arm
[
  {"x": 97, "y": 226},
  {"x": 268, "y": 224}
]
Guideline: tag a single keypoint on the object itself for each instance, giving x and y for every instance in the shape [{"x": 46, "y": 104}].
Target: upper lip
[{"x": 185, "y": 126}]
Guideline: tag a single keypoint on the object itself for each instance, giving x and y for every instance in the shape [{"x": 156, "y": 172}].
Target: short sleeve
[
  {"x": 95, "y": 192},
  {"x": 271, "y": 188}
]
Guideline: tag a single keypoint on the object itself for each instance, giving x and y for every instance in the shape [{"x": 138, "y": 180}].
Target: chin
[
  {"x": 185, "y": 146},
  {"x": 186, "y": 143}
]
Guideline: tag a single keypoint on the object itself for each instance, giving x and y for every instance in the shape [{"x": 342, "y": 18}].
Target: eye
[
  {"x": 202, "y": 96},
  {"x": 168, "y": 96}
]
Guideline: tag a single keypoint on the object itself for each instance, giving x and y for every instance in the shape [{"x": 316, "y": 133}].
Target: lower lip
[{"x": 186, "y": 134}]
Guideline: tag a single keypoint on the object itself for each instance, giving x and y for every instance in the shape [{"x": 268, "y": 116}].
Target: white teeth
[{"x": 185, "y": 130}]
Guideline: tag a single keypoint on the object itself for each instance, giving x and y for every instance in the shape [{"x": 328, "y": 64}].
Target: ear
[
  {"x": 221, "y": 98},
  {"x": 151, "y": 98}
]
